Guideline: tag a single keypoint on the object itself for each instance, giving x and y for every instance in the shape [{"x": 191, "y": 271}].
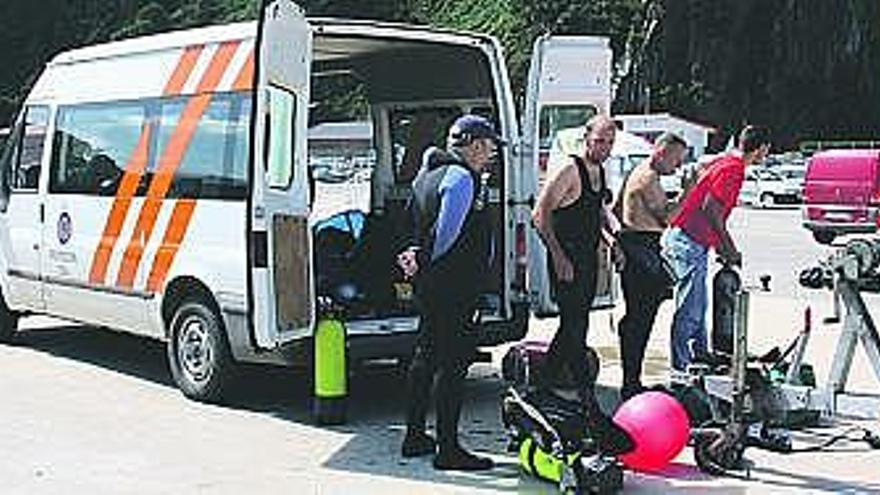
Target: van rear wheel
[
  {"x": 8, "y": 322},
  {"x": 198, "y": 353},
  {"x": 823, "y": 236}
]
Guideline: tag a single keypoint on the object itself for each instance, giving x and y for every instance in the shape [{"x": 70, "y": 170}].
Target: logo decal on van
[{"x": 65, "y": 228}]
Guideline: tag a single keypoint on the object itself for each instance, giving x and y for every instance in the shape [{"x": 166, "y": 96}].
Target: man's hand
[
  {"x": 408, "y": 262},
  {"x": 731, "y": 256},
  {"x": 563, "y": 267},
  {"x": 618, "y": 257}
]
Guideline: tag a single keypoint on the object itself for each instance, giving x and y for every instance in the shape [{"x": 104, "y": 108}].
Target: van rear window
[{"x": 842, "y": 169}]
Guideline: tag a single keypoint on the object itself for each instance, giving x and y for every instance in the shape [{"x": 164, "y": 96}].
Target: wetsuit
[{"x": 453, "y": 232}]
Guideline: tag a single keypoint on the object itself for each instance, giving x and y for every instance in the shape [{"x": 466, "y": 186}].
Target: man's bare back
[{"x": 645, "y": 207}]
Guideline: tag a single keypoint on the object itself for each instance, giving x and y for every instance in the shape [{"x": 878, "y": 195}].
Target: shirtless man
[{"x": 644, "y": 212}]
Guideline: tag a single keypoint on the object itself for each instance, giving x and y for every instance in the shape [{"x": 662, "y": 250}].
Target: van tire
[
  {"x": 8, "y": 322},
  {"x": 824, "y": 236},
  {"x": 198, "y": 352},
  {"x": 767, "y": 200}
]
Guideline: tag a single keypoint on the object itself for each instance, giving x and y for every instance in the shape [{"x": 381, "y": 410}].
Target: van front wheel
[
  {"x": 8, "y": 322},
  {"x": 198, "y": 353}
]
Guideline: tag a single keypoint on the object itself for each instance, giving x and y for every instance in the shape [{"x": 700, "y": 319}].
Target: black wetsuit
[
  {"x": 577, "y": 228},
  {"x": 446, "y": 289}
]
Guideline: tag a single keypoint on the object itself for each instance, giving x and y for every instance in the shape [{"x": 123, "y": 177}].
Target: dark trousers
[
  {"x": 568, "y": 350},
  {"x": 642, "y": 301},
  {"x": 442, "y": 349}
]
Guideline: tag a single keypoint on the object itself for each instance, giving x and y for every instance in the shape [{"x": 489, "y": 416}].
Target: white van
[{"x": 161, "y": 186}]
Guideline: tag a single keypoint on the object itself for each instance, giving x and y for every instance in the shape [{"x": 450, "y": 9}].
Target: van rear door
[
  {"x": 569, "y": 82},
  {"x": 280, "y": 299}
]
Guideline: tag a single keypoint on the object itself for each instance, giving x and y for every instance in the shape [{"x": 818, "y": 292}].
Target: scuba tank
[
  {"x": 725, "y": 286},
  {"x": 330, "y": 366}
]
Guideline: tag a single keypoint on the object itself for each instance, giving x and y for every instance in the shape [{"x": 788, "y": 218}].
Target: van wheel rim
[{"x": 194, "y": 350}]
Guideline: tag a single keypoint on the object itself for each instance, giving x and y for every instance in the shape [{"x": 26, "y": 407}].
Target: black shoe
[
  {"x": 629, "y": 391},
  {"x": 609, "y": 437},
  {"x": 459, "y": 459},
  {"x": 418, "y": 444}
]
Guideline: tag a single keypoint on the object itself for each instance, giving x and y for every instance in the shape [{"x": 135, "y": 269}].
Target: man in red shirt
[{"x": 700, "y": 225}]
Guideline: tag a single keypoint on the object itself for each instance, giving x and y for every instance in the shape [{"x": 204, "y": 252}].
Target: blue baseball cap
[{"x": 469, "y": 127}]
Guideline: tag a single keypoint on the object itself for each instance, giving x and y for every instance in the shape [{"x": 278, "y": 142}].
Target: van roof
[{"x": 247, "y": 30}]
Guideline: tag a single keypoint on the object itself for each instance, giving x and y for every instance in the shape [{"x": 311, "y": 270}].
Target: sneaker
[
  {"x": 459, "y": 459},
  {"x": 417, "y": 444}
]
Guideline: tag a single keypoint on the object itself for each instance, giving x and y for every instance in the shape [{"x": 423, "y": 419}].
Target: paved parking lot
[{"x": 90, "y": 411}]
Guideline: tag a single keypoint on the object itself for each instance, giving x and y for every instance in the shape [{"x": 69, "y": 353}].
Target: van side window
[
  {"x": 27, "y": 156},
  {"x": 93, "y": 145},
  {"x": 280, "y": 147},
  {"x": 214, "y": 160}
]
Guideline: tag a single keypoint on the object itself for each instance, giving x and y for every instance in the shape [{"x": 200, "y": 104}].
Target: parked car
[
  {"x": 842, "y": 193},
  {"x": 794, "y": 173},
  {"x": 765, "y": 187}
]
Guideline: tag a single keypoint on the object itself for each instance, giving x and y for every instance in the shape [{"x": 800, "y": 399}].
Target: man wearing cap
[{"x": 453, "y": 249}]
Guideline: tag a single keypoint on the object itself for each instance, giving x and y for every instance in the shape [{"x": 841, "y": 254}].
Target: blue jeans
[{"x": 690, "y": 261}]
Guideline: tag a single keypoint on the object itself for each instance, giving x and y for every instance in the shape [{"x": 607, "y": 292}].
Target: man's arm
[
  {"x": 713, "y": 210},
  {"x": 456, "y": 195},
  {"x": 654, "y": 200},
  {"x": 556, "y": 189}
]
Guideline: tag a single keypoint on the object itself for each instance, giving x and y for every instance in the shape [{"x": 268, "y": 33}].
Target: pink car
[{"x": 842, "y": 193}]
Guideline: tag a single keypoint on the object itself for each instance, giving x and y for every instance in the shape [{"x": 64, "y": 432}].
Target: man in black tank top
[{"x": 572, "y": 216}]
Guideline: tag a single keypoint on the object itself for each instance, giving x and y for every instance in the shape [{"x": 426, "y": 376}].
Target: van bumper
[
  {"x": 502, "y": 331},
  {"x": 840, "y": 228},
  {"x": 365, "y": 346}
]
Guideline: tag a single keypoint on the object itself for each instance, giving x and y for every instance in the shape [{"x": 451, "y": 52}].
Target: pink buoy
[{"x": 658, "y": 425}]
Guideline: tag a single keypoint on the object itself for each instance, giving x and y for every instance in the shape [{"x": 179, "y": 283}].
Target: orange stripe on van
[
  {"x": 127, "y": 187},
  {"x": 134, "y": 169},
  {"x": 245, "y": 79},
  {"x": 177, "y": 227},
  {"x": 175, "y": 149},
  {"x": 183, "y": 70}
]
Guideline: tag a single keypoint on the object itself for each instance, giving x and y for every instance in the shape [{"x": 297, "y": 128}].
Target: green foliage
[{"x": 807, "y": 69}]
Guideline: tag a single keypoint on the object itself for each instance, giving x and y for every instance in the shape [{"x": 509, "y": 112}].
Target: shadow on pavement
[
  {"x": 131, "y": 355},
  {"x": 375, "y": 412}
]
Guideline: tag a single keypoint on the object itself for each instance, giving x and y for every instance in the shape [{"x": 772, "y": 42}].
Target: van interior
[{"x": 377, "y": 104}]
